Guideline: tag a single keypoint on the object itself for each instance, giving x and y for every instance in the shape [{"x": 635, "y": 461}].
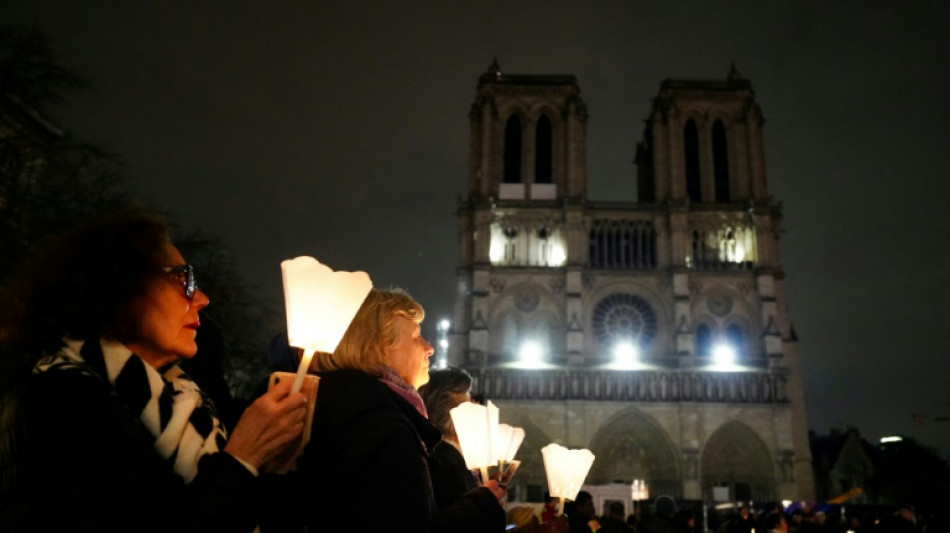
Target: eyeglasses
[{"x": 186, "y": 276}]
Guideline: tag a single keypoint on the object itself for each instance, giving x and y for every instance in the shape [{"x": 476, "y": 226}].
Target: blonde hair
[{"x": 372, "y": 331}]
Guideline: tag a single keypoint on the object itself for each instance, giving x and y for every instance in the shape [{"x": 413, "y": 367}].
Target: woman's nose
[{"x": 200, "y": 300}]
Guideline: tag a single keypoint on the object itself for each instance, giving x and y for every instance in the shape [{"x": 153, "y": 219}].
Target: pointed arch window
[
  {"x": 720, "y": 162},
  {"x": 735, "y": 339},
  {"x": 513, "y": 150},
  {"x": 691, "y": 151},
  {"x": 543, "y": 152},
  {"x": 703, "y": 341}
]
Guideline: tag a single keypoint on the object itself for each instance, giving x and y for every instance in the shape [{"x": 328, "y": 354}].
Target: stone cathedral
[{"x": 653, "y": 333}]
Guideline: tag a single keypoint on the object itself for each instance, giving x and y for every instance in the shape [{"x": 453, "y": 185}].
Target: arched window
[
  {"x": 543, "y": 152},
  {"x": 703, "y": 341},
  {"x": 513, "y": 150},
  {"x": 691, "y": 150},
  {"x": 720, "y": 162},
  {"x": 734, "y": 338},
  {"x": 509, "y": 338}
]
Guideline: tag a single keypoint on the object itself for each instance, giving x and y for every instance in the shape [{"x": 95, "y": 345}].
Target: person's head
[
  {"x": 118, "y": 277},
  {"x": 776, "y": 521},
  {"x": 584, "y": 504},
  {"x": 446, "y": 389},
  {"x": 615, "y": 510},
  {"x": 797, "y": 516},
  {"x": 522, "y": 517},
  {"x": 665, "y": 506},
  {"x": 384, "y": 332}
]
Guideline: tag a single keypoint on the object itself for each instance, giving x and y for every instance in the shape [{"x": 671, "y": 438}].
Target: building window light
[
  {"x": 496, "y": 250},
  {"x": 557, "y": 256}
]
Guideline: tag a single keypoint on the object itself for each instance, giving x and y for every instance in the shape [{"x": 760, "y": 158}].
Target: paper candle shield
[
  {"x": 320, "y": 303},
  {"x": 566, "y": 469},
  {"x": 509, "y": 440},
  {"x": 477, "y": 429}
]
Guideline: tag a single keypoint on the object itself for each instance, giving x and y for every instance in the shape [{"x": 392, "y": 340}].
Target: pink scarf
[{"x": 406, "y": 391}]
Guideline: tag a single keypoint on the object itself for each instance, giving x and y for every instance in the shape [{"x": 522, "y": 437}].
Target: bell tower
[
  {"x": 528, "y": 138},
  {"x": 654, "y": 333}
]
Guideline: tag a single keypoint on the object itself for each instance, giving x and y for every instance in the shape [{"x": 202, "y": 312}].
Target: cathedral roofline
[
  {"x": 494, "y": 75},
  {"x": 528, "y": 79}
]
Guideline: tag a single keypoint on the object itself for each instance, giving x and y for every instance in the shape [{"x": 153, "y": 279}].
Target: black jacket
[
  {"x": 451, "y": 479},
  {"x": 367, "y": 466},
  {"x": 84, "y": 463}
]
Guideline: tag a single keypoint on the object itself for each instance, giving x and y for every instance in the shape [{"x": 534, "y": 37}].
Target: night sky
[{"x": 340, "y": 130}]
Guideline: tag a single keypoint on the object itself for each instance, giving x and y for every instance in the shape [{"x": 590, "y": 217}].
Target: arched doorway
[{"x": 736, "y": 457}]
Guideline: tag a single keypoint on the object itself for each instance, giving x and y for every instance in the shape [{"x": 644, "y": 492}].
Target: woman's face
[
  {"x": 409, "y": 357},
  {"x": 169, "y": 319}
]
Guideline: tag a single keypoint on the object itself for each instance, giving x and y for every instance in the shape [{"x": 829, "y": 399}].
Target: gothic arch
[
  {"x": 505, "y": 328},
  {"x": 632, "y": 445},
  {"x": 544, "y": 150},
  {"x": 721, "y": 162},
  {"x": 735, "y": 455},
  {"x": 692, "y": 160},
  {"x": 513, "y": 149},
  {"x": 532, "y": 309},
  {"x": 720, "y": 307}
]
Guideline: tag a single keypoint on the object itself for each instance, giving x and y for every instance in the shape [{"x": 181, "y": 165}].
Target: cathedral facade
[{"x": 653, "y": 333}]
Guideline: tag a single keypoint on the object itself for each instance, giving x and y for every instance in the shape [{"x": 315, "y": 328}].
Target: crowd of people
[
  {"x": 101, "y": 429},
  {"x": 113, "y": 417}
]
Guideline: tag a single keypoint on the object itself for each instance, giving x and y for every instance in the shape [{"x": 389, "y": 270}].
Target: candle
[
  {"x": 566, "y": 470},
  {"x": 320, "y": 305}
]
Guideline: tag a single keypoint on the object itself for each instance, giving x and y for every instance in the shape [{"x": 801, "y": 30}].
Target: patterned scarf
[
  {"x": 406, "y": 391},
  {"x": 170, "y": 405}
]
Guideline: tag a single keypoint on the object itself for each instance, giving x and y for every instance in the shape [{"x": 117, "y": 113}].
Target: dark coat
[
  {"x": 367, "y": 466},
  {"x": 451, "y": 479},
  {"x": 84, "y": 463}
]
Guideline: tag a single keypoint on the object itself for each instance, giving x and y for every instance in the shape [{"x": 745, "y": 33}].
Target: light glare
[
  {"x": 625, "y": 354},
  {"x": 558, "y": 257},
  {"x": 724, "y": 355},
  {"x": 531, "y": 353}
]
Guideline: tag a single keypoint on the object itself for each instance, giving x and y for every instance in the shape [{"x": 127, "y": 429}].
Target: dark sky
[{"x": 340, "y": 130}]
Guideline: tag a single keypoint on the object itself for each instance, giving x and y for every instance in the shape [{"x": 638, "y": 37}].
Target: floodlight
[
  {"x": 625, "y": 354},
  {"x": 531, "y": 353},
  {"x": 724, "y": 355}
]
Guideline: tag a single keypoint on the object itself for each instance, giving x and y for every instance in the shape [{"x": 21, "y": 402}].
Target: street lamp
[{"x": 443, "y": 327}]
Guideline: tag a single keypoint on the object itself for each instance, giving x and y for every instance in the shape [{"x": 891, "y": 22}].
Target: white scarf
[{"x": 171, "y": 406}]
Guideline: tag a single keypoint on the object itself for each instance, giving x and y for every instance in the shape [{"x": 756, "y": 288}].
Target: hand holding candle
[
  {"x": 320, "y": 305},
  {"x": 477, "y": 429}
]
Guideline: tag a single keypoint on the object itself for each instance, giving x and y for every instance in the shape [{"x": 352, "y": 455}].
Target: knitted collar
[
  {"x": 170, "y": 405},
  {"x": 406, "y": 391}
]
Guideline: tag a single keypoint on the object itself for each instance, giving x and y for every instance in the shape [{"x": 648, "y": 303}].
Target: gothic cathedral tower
[{"x": 653, "y": 333}]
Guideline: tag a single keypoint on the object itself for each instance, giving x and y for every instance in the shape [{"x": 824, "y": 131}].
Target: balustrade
[{"x": 635, "y": 386}]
